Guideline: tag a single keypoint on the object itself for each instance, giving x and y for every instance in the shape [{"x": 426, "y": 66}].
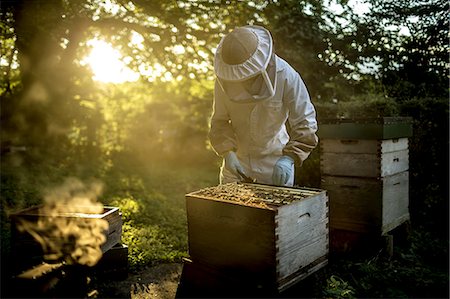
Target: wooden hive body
[
  {"x": 364, "y": 165},
  {"x": 364, "y": 158},
  {"x": 274, "y": 245},
  {"x": 368, "y": 204}
]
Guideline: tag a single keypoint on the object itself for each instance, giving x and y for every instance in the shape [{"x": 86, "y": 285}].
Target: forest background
[{"x": 135, "y": 117}]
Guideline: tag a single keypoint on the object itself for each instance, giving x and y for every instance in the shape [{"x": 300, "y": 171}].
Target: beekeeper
[{"x": 257, "y": 95}]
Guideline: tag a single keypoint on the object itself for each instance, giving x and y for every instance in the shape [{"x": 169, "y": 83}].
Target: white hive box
[{"x": 269, "y": 236}]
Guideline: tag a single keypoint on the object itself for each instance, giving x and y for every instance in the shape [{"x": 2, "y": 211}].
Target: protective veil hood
[{"x": 249, "y": 79}]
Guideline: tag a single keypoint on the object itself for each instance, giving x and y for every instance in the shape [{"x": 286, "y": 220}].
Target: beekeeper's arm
[
  {"x": 221, "y": 134},
  {"x": 302, "y": 120}
]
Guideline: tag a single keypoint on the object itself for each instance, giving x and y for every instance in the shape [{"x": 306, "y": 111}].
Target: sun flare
[{"x": 107, "y": 65}]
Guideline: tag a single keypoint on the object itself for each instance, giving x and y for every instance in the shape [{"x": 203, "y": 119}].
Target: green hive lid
[{"x": 365, "y": 128}]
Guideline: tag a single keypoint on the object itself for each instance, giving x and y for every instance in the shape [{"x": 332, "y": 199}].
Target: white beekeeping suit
[{"x": 256, "y": 94}]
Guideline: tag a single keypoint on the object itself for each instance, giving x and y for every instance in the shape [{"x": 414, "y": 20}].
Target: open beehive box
[
  {"x": 32, "y": 227},
  {"x": 268, "y": 235}
]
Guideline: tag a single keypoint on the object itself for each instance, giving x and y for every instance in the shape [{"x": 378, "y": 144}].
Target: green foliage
[
  {"x": 316, "y": 41},
  {"x": 415, "y": 63},
  {"x": 429, "y": 160},
  {"x": 338, "y": 288},
  {"x": 8, "y": 68},
  {"x": 152, "y": 244},
  {"x": 150, "y": 196},
  {"x": 361, "y": 106},
  {"x": 408, "y": 275}
]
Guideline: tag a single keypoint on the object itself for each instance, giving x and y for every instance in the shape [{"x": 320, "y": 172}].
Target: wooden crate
[
  {"x": 364, "y": 157},
  {"x": 27, "y": 250},
  {"x": 270, "y": 236},
  {"x": 374, "y": 205}
]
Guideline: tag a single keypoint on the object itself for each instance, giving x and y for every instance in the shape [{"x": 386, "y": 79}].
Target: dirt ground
[{"x": 160, "y": 281}]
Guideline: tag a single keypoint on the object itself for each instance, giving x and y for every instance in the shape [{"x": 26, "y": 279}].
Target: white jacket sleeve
[
  {"x": 302, "y": 120},
  {"x": 221, "y": 133}
]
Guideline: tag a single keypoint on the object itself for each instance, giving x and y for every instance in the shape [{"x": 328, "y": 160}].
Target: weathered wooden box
[
  {"x": 25, "y": 246},
  {"x": 373, "y": 205},
  {"x": 265, "y": 235},
  {"x": 364, "y": 157},
  {"x": 364, "y": 167}
]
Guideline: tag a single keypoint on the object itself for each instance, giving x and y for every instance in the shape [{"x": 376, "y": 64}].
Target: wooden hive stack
[
  {"x": 364, "y": 168},
  {"x": 270, "y": 237}
]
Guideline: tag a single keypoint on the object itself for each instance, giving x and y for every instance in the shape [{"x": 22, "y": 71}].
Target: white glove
[
  {"x": 283, "y": 171},
  {"x": 232, "y": 163}
]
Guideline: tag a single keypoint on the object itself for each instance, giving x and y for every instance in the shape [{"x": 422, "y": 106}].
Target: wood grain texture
[
  {"x": 394, "y": 162},
  {"x": 363, "y": 146},
  {"x": 367, "y": 204},
  {"x": 302, "y": 232},
  {"x": 230, "y": 237},
  {"x": 358, "y": 165},
  {"x": 302, "y": 273},
  {"x": 114, "y": 232},
  {"x": 364, "y": 158},
  {"x": 364, "y": 165},
  {"x": 395, "y": 209},
  {"x": 265, "y": 245}
]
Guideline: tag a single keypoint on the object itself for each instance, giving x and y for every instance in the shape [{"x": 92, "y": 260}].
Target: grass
[
  {"x": 418, "y": 269},
  {"x": 151, "y": 197},
  {"x": 408, "y": 274}
]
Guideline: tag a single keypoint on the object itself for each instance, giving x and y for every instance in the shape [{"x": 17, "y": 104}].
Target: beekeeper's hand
[
  {"x": 232, "y": 163},
  {"x": 283, "y": 171}
]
